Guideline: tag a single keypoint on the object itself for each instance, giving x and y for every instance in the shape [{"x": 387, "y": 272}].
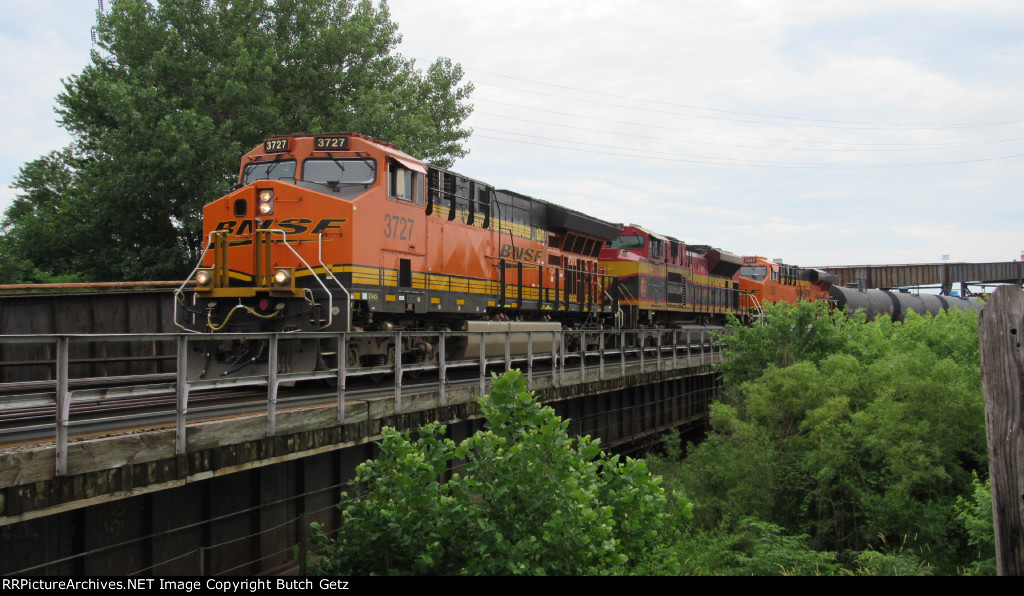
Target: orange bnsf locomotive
[
  {"x": 763, "y": 282},
  {"x": 341, "y": 232}
]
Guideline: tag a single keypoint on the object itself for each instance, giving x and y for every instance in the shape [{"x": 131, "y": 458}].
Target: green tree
[
  {"x": 846, "y": 432},
  {"x": 785, "y": 334},
  {"x": 35, "y": 244},
  {"x": 526, "y": 500},
  {"x": 178, "y": 90}
]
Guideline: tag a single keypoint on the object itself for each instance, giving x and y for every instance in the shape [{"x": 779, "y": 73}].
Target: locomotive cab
[
  {"x": 635, "y": 243},
  {"x": 270, "y": 239},
  {"x": 282, "y": 246}
]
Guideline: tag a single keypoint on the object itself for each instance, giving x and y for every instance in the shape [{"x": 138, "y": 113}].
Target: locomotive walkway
[{"x": 180, "y": 485}]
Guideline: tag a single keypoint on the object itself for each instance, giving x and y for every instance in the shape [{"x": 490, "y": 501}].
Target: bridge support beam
[{"x": 237, "y": 500}]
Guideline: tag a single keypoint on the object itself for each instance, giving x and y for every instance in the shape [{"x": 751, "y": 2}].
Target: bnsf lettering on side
[
  {"x": 295, "y": 225},
  {"x": 519, "y": 253}
]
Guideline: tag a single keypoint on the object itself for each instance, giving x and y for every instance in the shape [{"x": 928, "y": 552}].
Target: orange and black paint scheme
[
  {"x": 340, "y": 232},
  {"x": 765, "y": 282},
  {"x": 661, "y": 281}
]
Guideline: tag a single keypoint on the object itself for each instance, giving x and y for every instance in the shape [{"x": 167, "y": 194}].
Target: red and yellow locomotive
[
  {"x": 341, "y": 232},
  {"x": 662, "y": 282}
]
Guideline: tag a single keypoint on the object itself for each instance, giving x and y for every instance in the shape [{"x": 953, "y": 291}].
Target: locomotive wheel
[
  {"x": 375, "y": 360},
  {"x": 328, "y": 359},
  {"x": 413, "y": 358},
  {"x": 389, "y": 359}
]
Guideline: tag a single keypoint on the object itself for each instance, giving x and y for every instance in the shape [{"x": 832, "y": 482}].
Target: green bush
[{"x": 526, "y": 500}]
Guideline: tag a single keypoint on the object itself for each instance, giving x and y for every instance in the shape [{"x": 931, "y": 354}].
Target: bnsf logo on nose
[
  {"x": 292, "y": 226},
  {"x": 520, "y": 254}
]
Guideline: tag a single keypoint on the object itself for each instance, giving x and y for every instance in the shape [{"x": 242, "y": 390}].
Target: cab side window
[
  {"x": 405, "y": 184},
  {"x": 656, "y": 248}
]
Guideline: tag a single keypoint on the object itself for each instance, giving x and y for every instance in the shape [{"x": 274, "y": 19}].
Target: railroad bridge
[{"x": 111, "y": 463}]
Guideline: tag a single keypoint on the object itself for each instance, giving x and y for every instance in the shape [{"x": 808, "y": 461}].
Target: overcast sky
[{"x": 821, "y": 132}]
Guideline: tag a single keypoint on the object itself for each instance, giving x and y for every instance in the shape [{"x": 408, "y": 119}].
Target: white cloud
[
  {"x": 630, "y": 111},
  {"x": 844, "y": 73}
]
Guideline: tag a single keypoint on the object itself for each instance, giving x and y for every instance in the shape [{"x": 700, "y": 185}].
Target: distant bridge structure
[{"x": 939, "y": 275}]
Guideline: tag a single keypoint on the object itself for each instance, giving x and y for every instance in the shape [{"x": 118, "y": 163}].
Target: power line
[
  {"x": 813, "y": 122},
  {"x": 709, "y": 160},
  {"x": 797, "y": 122},
  {"x": 818, "y": 146},
  {"x": 852, "y": 146}
]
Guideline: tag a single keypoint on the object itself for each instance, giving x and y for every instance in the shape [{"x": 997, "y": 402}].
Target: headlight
[
  {"x": 204, "y": 278},
  {"x": 266, "y": 202},
  {"x": 282, "y": 276}
]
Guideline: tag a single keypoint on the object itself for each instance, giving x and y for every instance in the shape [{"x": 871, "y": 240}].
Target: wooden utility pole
[{"x": 1001, "y": 337}]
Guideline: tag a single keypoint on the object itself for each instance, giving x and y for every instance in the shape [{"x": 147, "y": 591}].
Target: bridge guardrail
[{"x": 562, "y": 350}]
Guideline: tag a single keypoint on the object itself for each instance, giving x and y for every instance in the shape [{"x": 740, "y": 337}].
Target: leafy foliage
[
  {"x": 846, "y": 431},
  {"x": 787, "y": 334},
  {"x": 35, "y": 247},
  {"x": 526, "y": 500},
  {"x": 975, "y": 515},
  {"x": 179, "y": 90}
]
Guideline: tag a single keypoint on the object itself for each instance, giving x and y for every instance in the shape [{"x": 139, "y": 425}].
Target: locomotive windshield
[
  {"x": 339, "y": 171},
  {"x": 269, "y": 170},
  {"x": 627, "y": 242},
  {"x": 754, "y": 273}
]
